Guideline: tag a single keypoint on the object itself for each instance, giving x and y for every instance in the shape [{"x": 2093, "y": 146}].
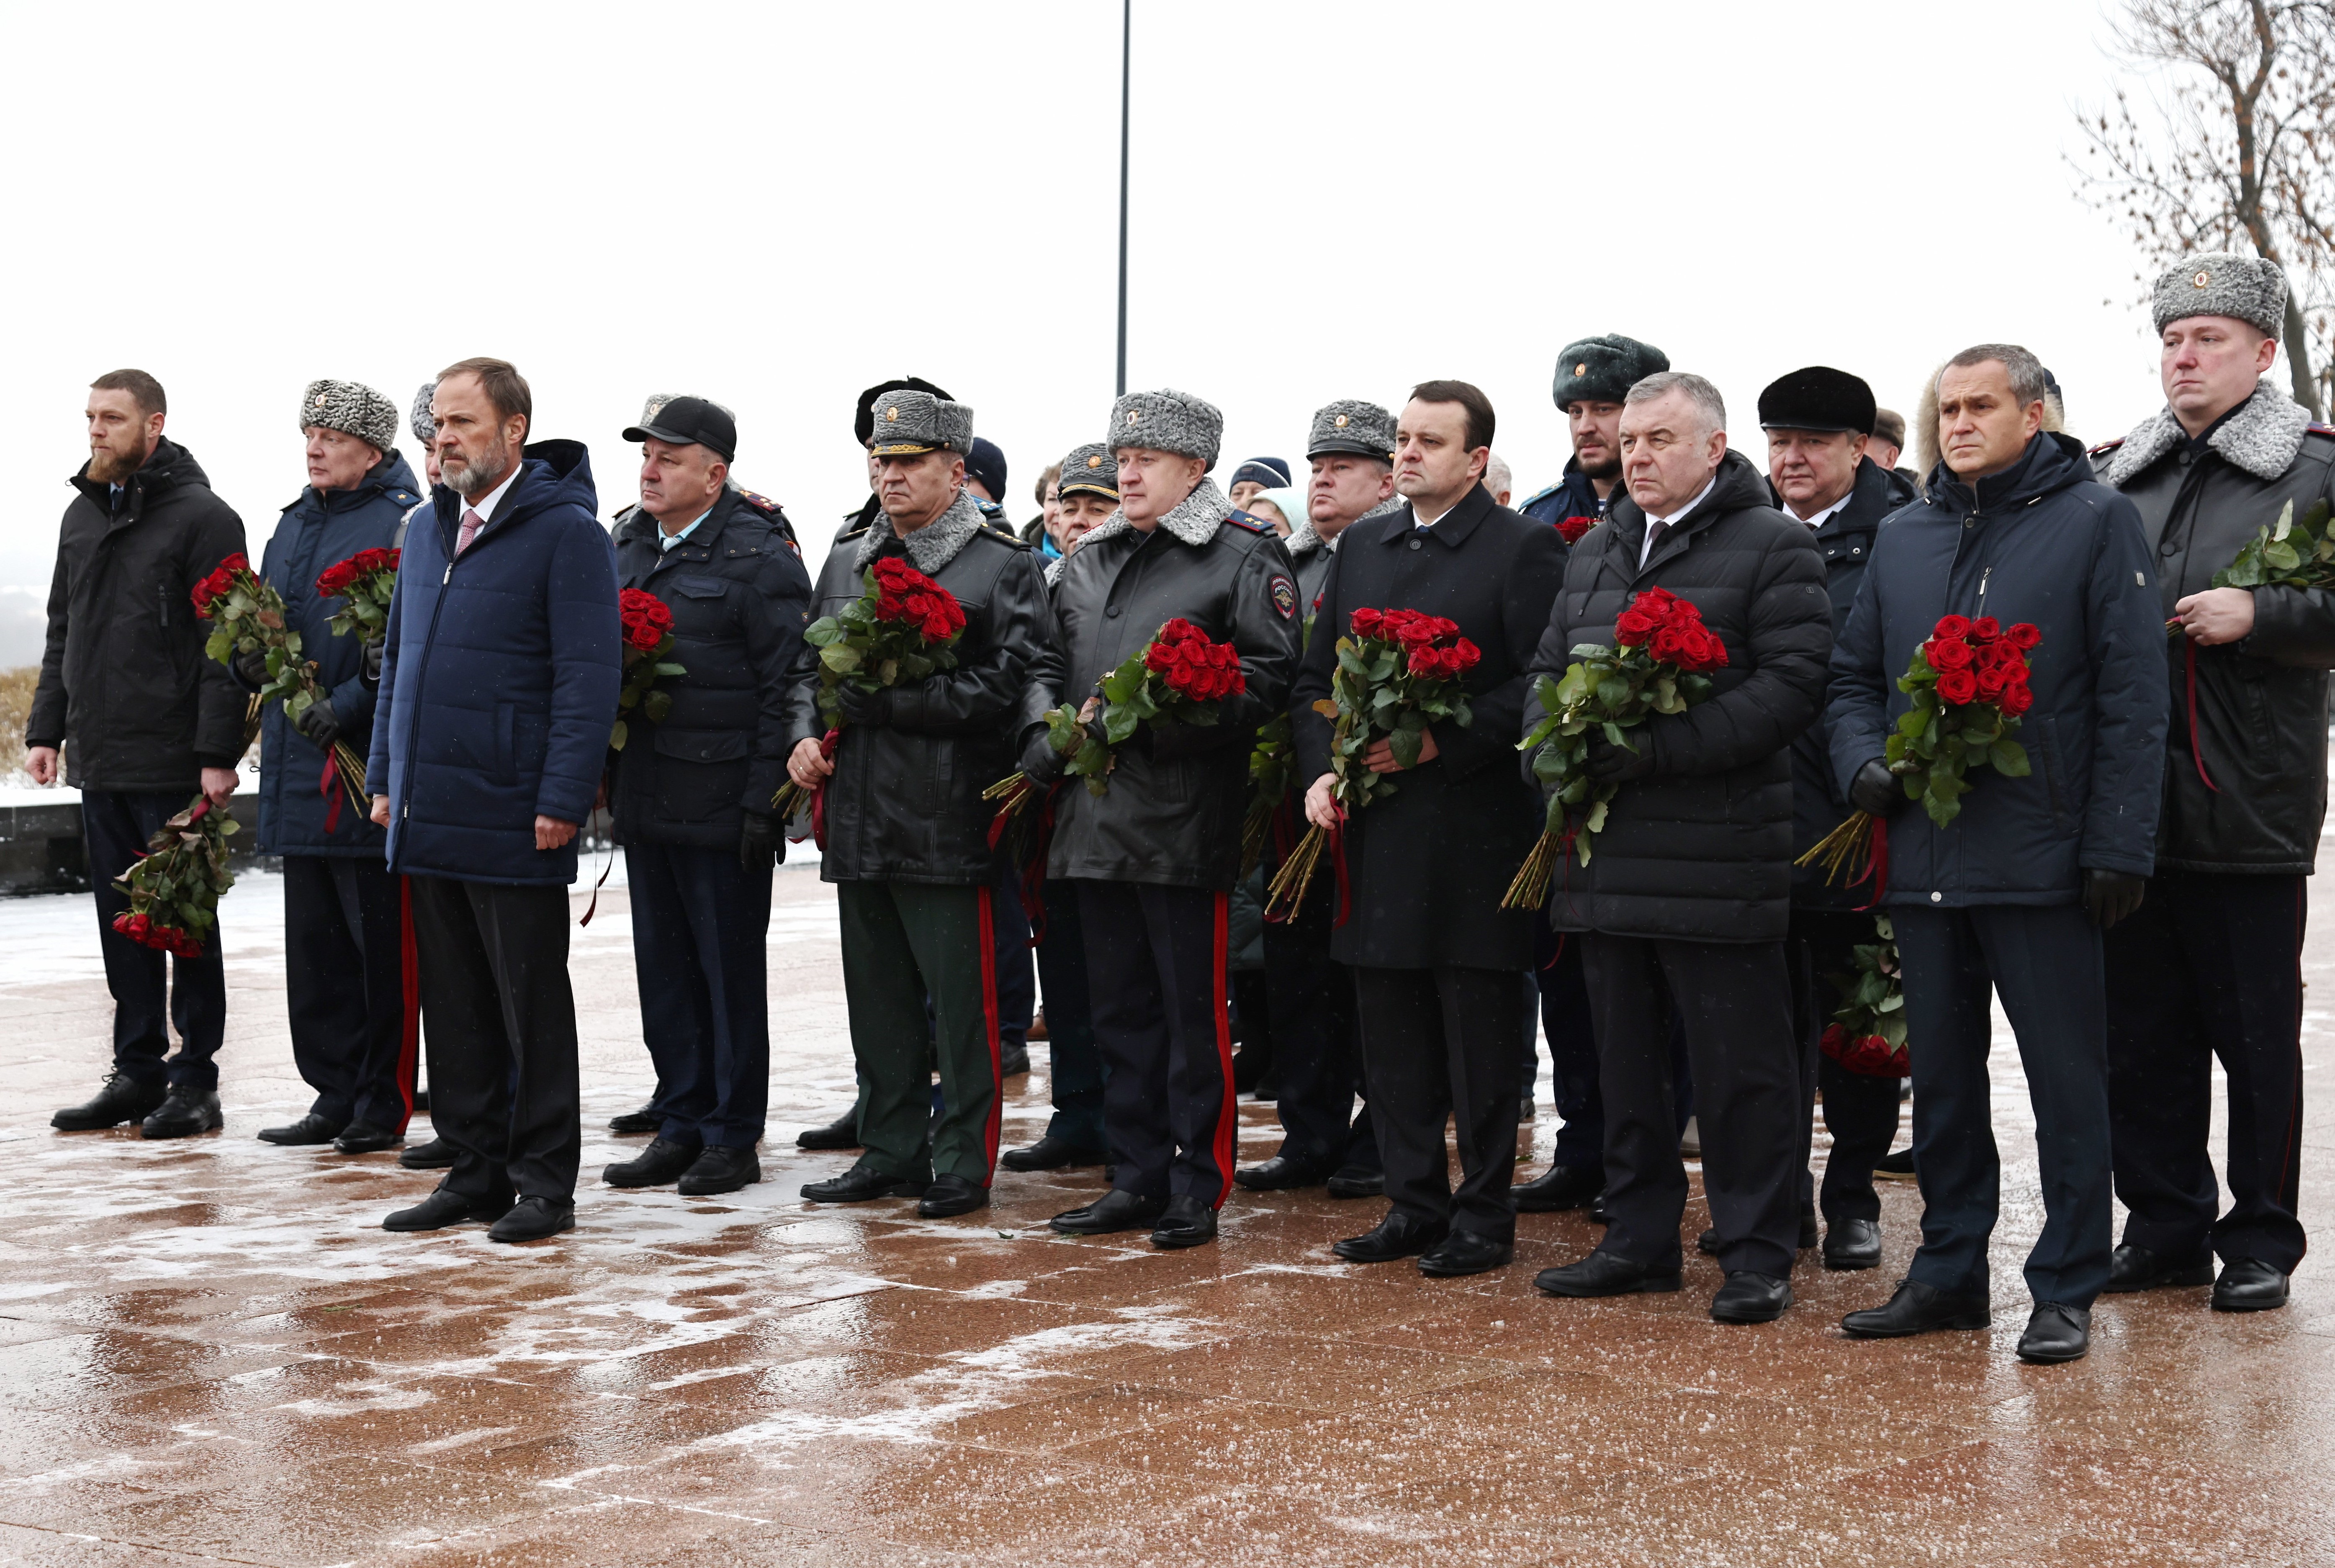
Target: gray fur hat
[
  {"x": 353, "y": 408},
  {"x": 2222, "y": 283},
  {"x": 1351, "y": 425},
  {"x": 424, "y": 427},
  {"x": 1090, "y": 470},
  {"x": 1167, "y": 420},
  {"x": 908, "y": 423},
  {"x": 1601, "y": 370}
]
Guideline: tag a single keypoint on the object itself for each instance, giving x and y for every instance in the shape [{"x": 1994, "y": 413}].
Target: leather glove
[
  {"x": 761, "y": 842},
  {"x": 1876, "y": 789},
  {"x": 2110, "y": 895},
  {"x": 319, "y": 724},
  {"x": 1039, "y": 760},
  {"x": 251, "y": 667},
  {"x": 870, "y": 710},
  {"x": 369, "y": 663},
  {"x": 1611, "y": 764}
]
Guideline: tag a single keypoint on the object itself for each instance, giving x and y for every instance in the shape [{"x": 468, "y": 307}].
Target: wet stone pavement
[{"x": 209, "y": 1351}]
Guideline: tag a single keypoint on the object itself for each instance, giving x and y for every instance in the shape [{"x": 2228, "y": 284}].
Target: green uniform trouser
[{"x": 902, "y": 942}]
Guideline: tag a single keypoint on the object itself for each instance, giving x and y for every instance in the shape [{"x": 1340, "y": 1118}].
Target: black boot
[
  {"x": 1113, "y": 1211},
  {"x": 949, "y": 1196},
  {"x": 2132, "y": 1268},
  {"x": 2249, "y": 1285},
  {"x": 1185, "y": 1222},
  {"x": 435, "y": 1155},
  {"x": 662, "y": 1161},
  {"x": 843, "y": 1132},
  {"x": 2055, "y": 1334},
  {"x": 863, "y": 1182},
  {"x": 1917, "y": 1309},
  {"x": 1050, "y": 1153},
  {"x": 1853, "y": 1244},
  {"x": 1285, "y": 1172},
  {"x": 1605, "y": 1274},
  {"x": 633, "y": 1123},
  {"x": 1557, "y": 1189},
  {"x": 1399, "y": 1236},
  {"x": 121, "y": 1098},
  {"x": 720, "y": 1168},
  {"x": 184, "y": 1113},
  {"x": 309, "y": 1130},
  {"x": 358, "y": 1138}
]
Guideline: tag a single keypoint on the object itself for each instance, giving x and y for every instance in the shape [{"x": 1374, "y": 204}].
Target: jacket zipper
[
  {"x": 414, "y": 722},
  {"x": 1983, "y": 576}
]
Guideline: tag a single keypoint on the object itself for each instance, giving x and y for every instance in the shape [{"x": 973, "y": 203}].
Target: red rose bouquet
[
  {"x": 365, "y": 580},
  {"x": 903, "y": 628},
  {"x": 249, "y": 617},
  {"x": 1179, "y": 678},
  {"x": 174, "y": 885},
  {"x": 1867, "y": 1033},
  {"x": 1398, "y": 671},
  {"x": 647, "y": 622},
  {"x": 1572, "y": 528},
  {"x": 1660, "y": 663}
]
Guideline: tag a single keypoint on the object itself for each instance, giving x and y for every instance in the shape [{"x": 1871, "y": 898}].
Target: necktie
[
  {"x": 471, "y": 524},
  {"x": 1654, "y": 533}
]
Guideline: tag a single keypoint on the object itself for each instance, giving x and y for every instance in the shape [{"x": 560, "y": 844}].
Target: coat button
[
  {"x": 1414, "y": 544},
  {"x": 1937, "y": 898},
  {"x": 2169, "y": 549},
  {"x": 1112, "y": 613}
]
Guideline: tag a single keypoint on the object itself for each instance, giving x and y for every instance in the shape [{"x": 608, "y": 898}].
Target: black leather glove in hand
[
  {"x": 251, "y": 667},
  {"x": 369, "y": 663},
  {"x": 1876, "y": 789},
  {"x": 2110, "y": 895},
  {"x": 869, "y": 710},
  {"x": 761, "y": 842},
  {"x": 1039, "y": 760},
  {"x": 320, "y": 724},
  {"x": 1611, "y": 764}
]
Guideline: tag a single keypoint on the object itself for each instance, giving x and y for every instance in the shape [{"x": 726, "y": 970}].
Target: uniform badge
[
  {"x": 1133, "y": 415},
  {"x": 1284, "y": 597},
  {"x": 2203, "y": 280},
  {"x": 1339, "y": 421},
  {"x": 1094, "y": 461},
  {"x": 891, "y": 416},
  {"x": 1581, "y": 369}
]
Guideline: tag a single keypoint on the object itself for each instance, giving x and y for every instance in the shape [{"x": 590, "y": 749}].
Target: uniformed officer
[
  {"x": 907, "y": 830},
  {"x": 1309, "y": 995},
  {"x": 1157, "y": 854},
  {"x": 691, "y": 795},
  {"x": 1593, "y": 375}
]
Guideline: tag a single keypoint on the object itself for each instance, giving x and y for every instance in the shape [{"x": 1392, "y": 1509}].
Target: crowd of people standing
[{"x": 2135, "y": 897}]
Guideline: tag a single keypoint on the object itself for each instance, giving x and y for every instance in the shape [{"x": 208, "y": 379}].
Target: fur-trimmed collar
[
  {"x": 2261, "y": 438},
  {"x": 1303, "y": 541},
  {"x": 1194, "y": 520},
  {"x": 930, "y": 547}
]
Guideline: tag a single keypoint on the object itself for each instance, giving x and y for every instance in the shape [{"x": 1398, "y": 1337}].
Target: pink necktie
[{"x": 471, "y": 524}]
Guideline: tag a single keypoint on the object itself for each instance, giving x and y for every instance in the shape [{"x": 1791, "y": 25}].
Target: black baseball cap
[{"x": 692, "y": 421}]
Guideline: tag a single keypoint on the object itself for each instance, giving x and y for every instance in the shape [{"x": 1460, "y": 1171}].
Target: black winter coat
[
  {"x": 123, "y": 676},
  {"x": 905, "y": 803},
  {"x": 1818, "y": 803},
  {"x": 2262, "y": 703},
  {"x": 2040, "y": 542},
  {"x": 739, "y": 599},
  {"x": 1172, "y": 816},
  {"x": 1700, "y": 848},
  {"x": 1427, "y": 865}
]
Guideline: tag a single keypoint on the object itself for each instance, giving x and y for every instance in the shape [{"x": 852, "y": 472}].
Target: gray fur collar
[
  {"x": 930, "y": 547},
  {"x": 1303, "y": 541},
  {"x": 2261, "y": 438},
  {"x": 1194, "y": 520}
]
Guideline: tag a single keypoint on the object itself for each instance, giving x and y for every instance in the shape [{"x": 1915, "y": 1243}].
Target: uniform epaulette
[
  {"x": 2105, "y": 447},
  {"x": 764, "y": 502},
  {"x": 1253, "y": 525},
  {"x": 404, "y": 497},
  {"x": 2319, "y": 430},
  {"x": 1005, "y": 536},
  {"x": 852, "y": 533},
  {"x": 1534, "y": 500}
]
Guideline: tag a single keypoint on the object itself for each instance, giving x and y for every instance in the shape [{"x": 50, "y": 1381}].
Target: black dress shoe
[
  {"x": 446, "y": 1207},
  {"x": 1465, "y": 1252},
  {"x": 1114, "y": 1211},
  {"x": 359, "y": 1137},
  {"x": 1916, "y": 1308},
  {"x": 843, "y": 1132},
  {"x": 2134, "y": 1268},
  {"x": 1557, "y": 1189},
  {"x": 533, "y": 1220},
  {"x": 1896, "y": 1167},
  {"x": 633, "y": 1123},
  {"x": 1185, "y": 1222},
  {"x": 1399, "y": 1236},
  {"x": 121, "y": 1098},
  {"x": 1599, "y": 1214},
  {"x": 662, "y": 1161},
  {"x": 1605, "y": 1274},
  {"x": 1853, "y": 1244},
  {"x": 1749, "y": 1297},
  {"x": 1810, "y": 1234},
  {"x": 719, "y": 1168},
  {"x": 1355, "y": 1181},
  {"x": 309, "y": 1130},
  {"x": 2249, "y": 1285},
  {"x": 2055, "y": 1334},
  {"x": 1050, "y": 1153},
  {"x": 435, "y": 1155},
  {"x": 184, "y": 1113},
  {"x": 861, "y": 1184},
  {"x": 1012, "y": 1060},
  {"x": 950, "y": 1196},
  {"x": 1282, "y": 1173}
]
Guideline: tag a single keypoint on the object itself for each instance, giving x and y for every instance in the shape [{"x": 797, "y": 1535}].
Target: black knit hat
[
  {"x": 863, "y": 423},
  {"x": 1601, "y": 370},
  {"x": 985, "y": 464},
  {"x": 1273, "y": 473},
  {"x": 1817, "y": 398}
]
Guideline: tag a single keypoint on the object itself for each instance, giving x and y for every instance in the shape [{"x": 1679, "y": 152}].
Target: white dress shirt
[{"x": 1646, "y": 551}]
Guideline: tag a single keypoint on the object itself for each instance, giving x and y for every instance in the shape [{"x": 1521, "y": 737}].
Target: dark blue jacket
[
  {"x": 500, "y": 689},
  {"x": 1571, "y": 495},
  {"x": 1818, "y": 805},
  {"x": 317, "y": 531},
  {"x": 2039, "y": 542}
]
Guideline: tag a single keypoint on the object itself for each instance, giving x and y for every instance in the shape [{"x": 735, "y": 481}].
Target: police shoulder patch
[
  {"x": 2105, "y": 446},
  {"x": 1284, "y": 596},
  {"x": 1252, "y": 523},
  {"x": 764, "y": 502}
]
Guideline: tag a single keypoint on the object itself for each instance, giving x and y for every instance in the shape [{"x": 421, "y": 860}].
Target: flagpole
[{"x": 1126, "y": 77}]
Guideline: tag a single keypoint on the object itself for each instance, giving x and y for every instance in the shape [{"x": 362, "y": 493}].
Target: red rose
[
  {"x": 1944, "y": 654},
  {"x": 1635, "y": 626},
  {"x": 1366, "y": 622},
  {"x": 1957, "y": 686},
  {"x": 2023, "y": 636},
  {"x": 1465, "y": 655},
  {"x": 1985, "y": 629},
  {"x": 1672, "y": 644},
  {"x": 1990, "y": 682},
  {"x": 1952, "y": 628},
  {"x": 1834, "y": 1037},
  {"x": 1572, "y": 528},
  {"x": 2015, "y": 700},
  {"x": 1713, "y": 653}
]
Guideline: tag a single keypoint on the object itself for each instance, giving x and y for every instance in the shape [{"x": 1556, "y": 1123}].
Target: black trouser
[
  {"x": 1017, "y": 981},
  {"x": 2044, "y": 961},
  {"x": 349, "y": 988},
  {"x": 500, "y": 1022},
  {"x": 1156, "y": 970},
  {"x": 1316, "y": 1055},
  {"x": 1570, "y": 1024},
  {"x": 1860, "y": 1112},
  {"x": 2210, "y": 966},
  {"x": 147, "y": 998},
  {"x": 1437, "y": 1044},
  {"x": 701, "y": 928},
  {"x": 1073, "y": 1065},
  {"x": 1734, "y": 1001}
]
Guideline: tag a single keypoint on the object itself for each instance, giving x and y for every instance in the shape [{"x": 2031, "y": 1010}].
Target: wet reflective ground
[{"x": 209, "y": 1352}]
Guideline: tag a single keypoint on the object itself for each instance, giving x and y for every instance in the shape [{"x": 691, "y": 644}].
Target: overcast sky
[{"x": 775, "y": 205}]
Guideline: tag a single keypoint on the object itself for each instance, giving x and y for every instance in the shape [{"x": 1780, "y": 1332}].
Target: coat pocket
[
  {"x": 699, "y": 773},
  {"x": 2055, "y": 778}
]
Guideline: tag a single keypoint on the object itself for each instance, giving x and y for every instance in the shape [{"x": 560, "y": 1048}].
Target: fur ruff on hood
[
  {"x": 930, "y": 547},
  {"x": 2261, "y": 438},
  {"x": 1924, "y": 428},
  {"x": 1194, "y": 520}
]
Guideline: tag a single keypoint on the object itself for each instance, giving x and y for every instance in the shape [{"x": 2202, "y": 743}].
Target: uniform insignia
[
  {"x": 1133, "y": 415},
  {"x": 1255, "y": 525},
  {"x": 1340, "y": 421},
  {"x": 892, "y": 416},
  {"x": 764, "y": 502},
  {"x": 1581, "y": 369},
  {"x": 1095, "y": 461},
  {"x": 320, "y": 399},
  {"x": 2203, "y": 280},
  {"x": 2105, "y": 447},
  {"x": 1284, "y": 597}
]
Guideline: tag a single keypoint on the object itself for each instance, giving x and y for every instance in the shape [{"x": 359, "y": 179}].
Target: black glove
[
  {"x": 1876, "y": 789},
  {"x": 761, "y": 842},
  {"x": 870, "y": 710},
  {"x": 251, "y": 667},
  {"x": 1611, "y": 764},
  {"x": 369, "y": 663},
  {"x": 319, "y": 724},
  {"x": 1039, "y": 760},
  {"x": 2110, "y": 895}
]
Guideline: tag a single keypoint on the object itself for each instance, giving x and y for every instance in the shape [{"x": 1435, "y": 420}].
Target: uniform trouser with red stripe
[
  {"x": 1440, "y": 1043},
  {"x": 1156, "y": 976},
  {"x": 2209, "y": 966},
  {"x": 902, "y": 942},
  {"x": 349, "y": 988}
]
